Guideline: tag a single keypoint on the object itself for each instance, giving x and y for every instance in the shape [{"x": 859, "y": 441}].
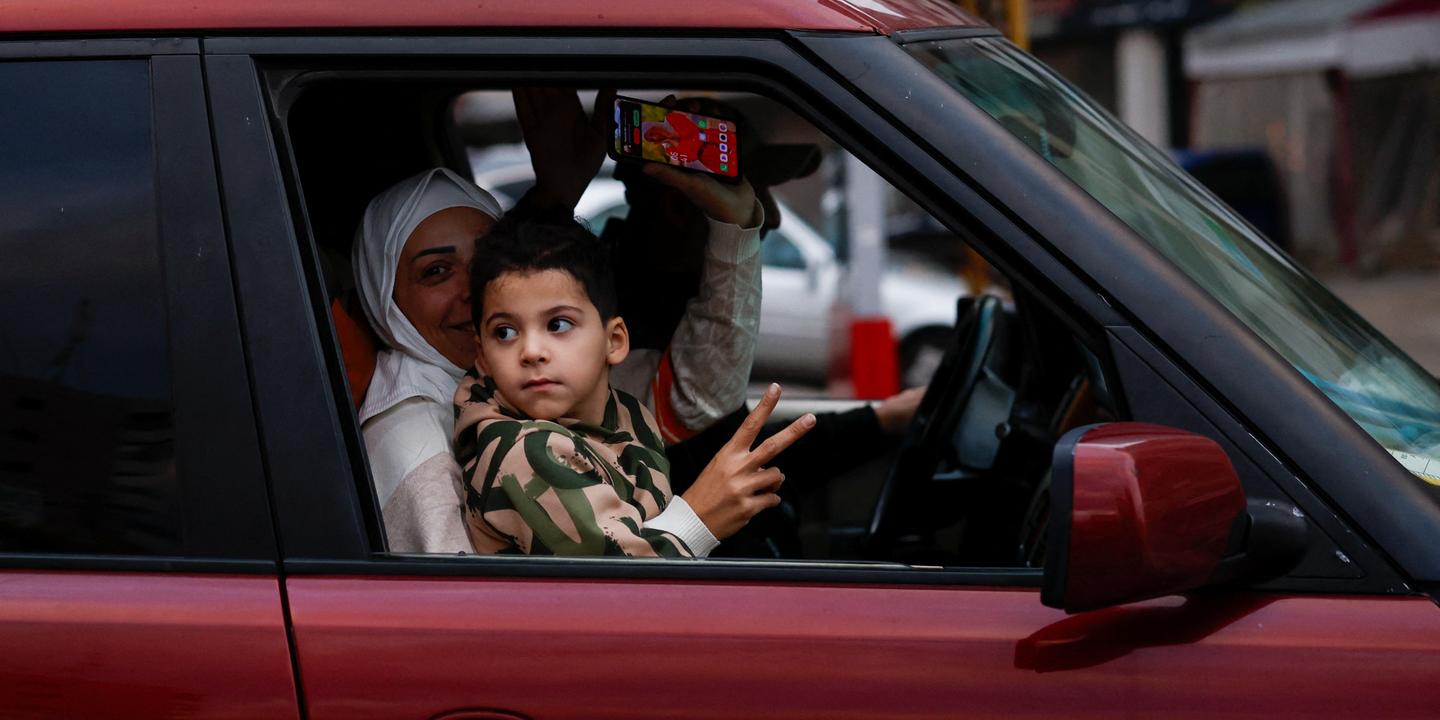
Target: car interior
[{"x": 964, "y": 486}]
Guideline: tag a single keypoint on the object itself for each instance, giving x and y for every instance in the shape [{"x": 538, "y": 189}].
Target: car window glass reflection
[
  {"x": 86, "y": 423},
  {"x": 1384, "y": 391}
]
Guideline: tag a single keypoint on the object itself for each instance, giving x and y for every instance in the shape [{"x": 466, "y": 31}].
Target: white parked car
[{"x": 801, "y": 280}]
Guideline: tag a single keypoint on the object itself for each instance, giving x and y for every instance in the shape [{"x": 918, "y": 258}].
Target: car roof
[{"x": 872, "y": 16}]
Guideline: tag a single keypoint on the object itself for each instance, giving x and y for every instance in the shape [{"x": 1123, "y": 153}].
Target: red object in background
[
  {"x": 1399, "y": 8},
  {"x": 874, "y": 364},
  {"x": 143, "y": 645},
  {"x": 1152, "y": 511}
]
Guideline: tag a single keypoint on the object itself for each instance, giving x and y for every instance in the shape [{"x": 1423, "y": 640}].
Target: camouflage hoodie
[{"x": 562, "y": 487}]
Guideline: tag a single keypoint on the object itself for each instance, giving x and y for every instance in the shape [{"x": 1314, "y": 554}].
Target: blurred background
[{"x": 1318, "y": 120}]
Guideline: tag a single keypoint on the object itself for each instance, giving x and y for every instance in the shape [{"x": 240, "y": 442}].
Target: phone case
[{"x": 643, "y": 131}]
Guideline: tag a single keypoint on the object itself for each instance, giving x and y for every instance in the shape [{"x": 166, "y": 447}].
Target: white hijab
[{"x": 411, "y": 367}]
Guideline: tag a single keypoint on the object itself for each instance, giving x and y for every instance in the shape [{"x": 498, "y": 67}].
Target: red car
[{"x": 1172, "y": 477}]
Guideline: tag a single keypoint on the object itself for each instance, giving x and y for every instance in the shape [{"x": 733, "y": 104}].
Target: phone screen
[{"x": 647, "y": 131}]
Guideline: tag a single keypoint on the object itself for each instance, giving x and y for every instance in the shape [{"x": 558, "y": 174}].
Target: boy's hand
[
  {"x": 566, "y": 148},
  {"x": 736, "y": 485}
]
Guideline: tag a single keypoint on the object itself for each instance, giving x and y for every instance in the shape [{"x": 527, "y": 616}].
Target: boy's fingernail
[
  {"x": 808, "y": 420},
  {"x": 773, "y": 390}
]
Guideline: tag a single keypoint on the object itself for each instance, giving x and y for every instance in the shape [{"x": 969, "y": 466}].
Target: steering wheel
[{"x": 939, "y": 415}]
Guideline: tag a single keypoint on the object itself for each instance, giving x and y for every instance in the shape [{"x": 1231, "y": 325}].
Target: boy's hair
[{"x": 525, "y": 242}]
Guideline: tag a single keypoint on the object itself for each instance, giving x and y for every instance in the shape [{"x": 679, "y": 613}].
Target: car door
[
  {"x": 378, "y": 634},
  {"x": 137, "y": 562}
]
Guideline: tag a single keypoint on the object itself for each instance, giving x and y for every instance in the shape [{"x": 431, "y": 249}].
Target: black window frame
[{"x": 225, "y": 510}]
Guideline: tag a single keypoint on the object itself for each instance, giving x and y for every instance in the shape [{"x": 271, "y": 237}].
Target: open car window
[{"x": 957, "y": 486}]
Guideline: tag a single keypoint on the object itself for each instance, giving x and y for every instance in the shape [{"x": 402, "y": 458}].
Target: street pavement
[{"x": 1403, "y": 305}]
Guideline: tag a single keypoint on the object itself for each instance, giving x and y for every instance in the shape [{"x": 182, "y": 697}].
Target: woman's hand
[
  {"x": 733, "y": 204},
  {"x": 728, "y": 203},
  {"x": 736, "y": 485},
  {"x": 566, "y": 148}
]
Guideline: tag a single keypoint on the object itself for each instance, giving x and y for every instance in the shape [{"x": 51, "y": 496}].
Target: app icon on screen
[
  {"x": 724, "y": 148},
  {"x": 724, "y": 157}
]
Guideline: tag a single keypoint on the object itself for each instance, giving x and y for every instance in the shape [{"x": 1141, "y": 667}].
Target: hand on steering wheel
[{"x": 939, "y": 415}]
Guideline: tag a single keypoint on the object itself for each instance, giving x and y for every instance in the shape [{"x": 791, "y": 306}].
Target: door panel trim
[{"x": 800, "y": 571}]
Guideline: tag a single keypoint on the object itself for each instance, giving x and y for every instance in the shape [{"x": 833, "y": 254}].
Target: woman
[{"x": 411, "y": 258}]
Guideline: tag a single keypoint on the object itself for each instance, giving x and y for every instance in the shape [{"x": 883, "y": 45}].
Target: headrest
[{"x": 357, "y": 349}]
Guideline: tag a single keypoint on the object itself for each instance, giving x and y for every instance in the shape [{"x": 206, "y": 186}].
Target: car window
[
  {"x": 806, "y": 332},
  {"x": 779, "y": 252},
  {"x": 1385, "y": 392},
  {"x": 599, "y": 220},
  {"x": 87, "y": 433}
]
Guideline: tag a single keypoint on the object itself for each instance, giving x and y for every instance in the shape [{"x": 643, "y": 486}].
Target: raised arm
[{"x": 704, "y": 371}]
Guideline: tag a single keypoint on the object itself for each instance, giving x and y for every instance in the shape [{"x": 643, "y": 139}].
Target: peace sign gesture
[{"x": 736, "y": 484}]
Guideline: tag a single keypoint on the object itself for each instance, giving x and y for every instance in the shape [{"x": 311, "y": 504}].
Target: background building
[{"x": 1344, "y": 96}]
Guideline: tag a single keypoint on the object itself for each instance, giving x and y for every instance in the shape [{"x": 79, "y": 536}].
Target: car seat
[{"x": 357, "y": 350}]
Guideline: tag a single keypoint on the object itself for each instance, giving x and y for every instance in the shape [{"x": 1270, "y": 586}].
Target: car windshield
[{"x": 1382, "y": 389}]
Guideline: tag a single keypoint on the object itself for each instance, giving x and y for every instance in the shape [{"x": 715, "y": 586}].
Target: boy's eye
[
  {"x": 560, "y": 325},
  {"x": 505, "y": 332}
]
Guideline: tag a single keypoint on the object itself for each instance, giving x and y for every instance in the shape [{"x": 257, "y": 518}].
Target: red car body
[
  {"x": 875, "y": 16},
  {"x": 300, "y": 632}
]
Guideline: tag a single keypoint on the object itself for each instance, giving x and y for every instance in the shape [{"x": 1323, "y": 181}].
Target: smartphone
[{"x": 651, "y": 132}]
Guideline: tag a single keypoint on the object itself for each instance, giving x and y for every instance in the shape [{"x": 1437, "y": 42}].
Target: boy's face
[{"x": 544, "y": 344}]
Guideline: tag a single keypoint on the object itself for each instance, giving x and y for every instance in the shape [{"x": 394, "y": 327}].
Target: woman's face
[{"x": 432, "y": 282}]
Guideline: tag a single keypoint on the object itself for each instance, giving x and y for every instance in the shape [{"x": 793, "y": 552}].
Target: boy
[{"x": 553, "y": 460}]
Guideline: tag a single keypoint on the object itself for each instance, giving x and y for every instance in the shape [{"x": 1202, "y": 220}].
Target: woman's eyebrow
[{"x": 440, "y": 250}]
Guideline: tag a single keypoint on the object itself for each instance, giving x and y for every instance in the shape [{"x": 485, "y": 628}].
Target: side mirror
[{"x": 1137, "y": 511}]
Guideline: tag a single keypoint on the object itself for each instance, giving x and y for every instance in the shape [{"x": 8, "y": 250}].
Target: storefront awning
[{"x": 1359, "y": 37}]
